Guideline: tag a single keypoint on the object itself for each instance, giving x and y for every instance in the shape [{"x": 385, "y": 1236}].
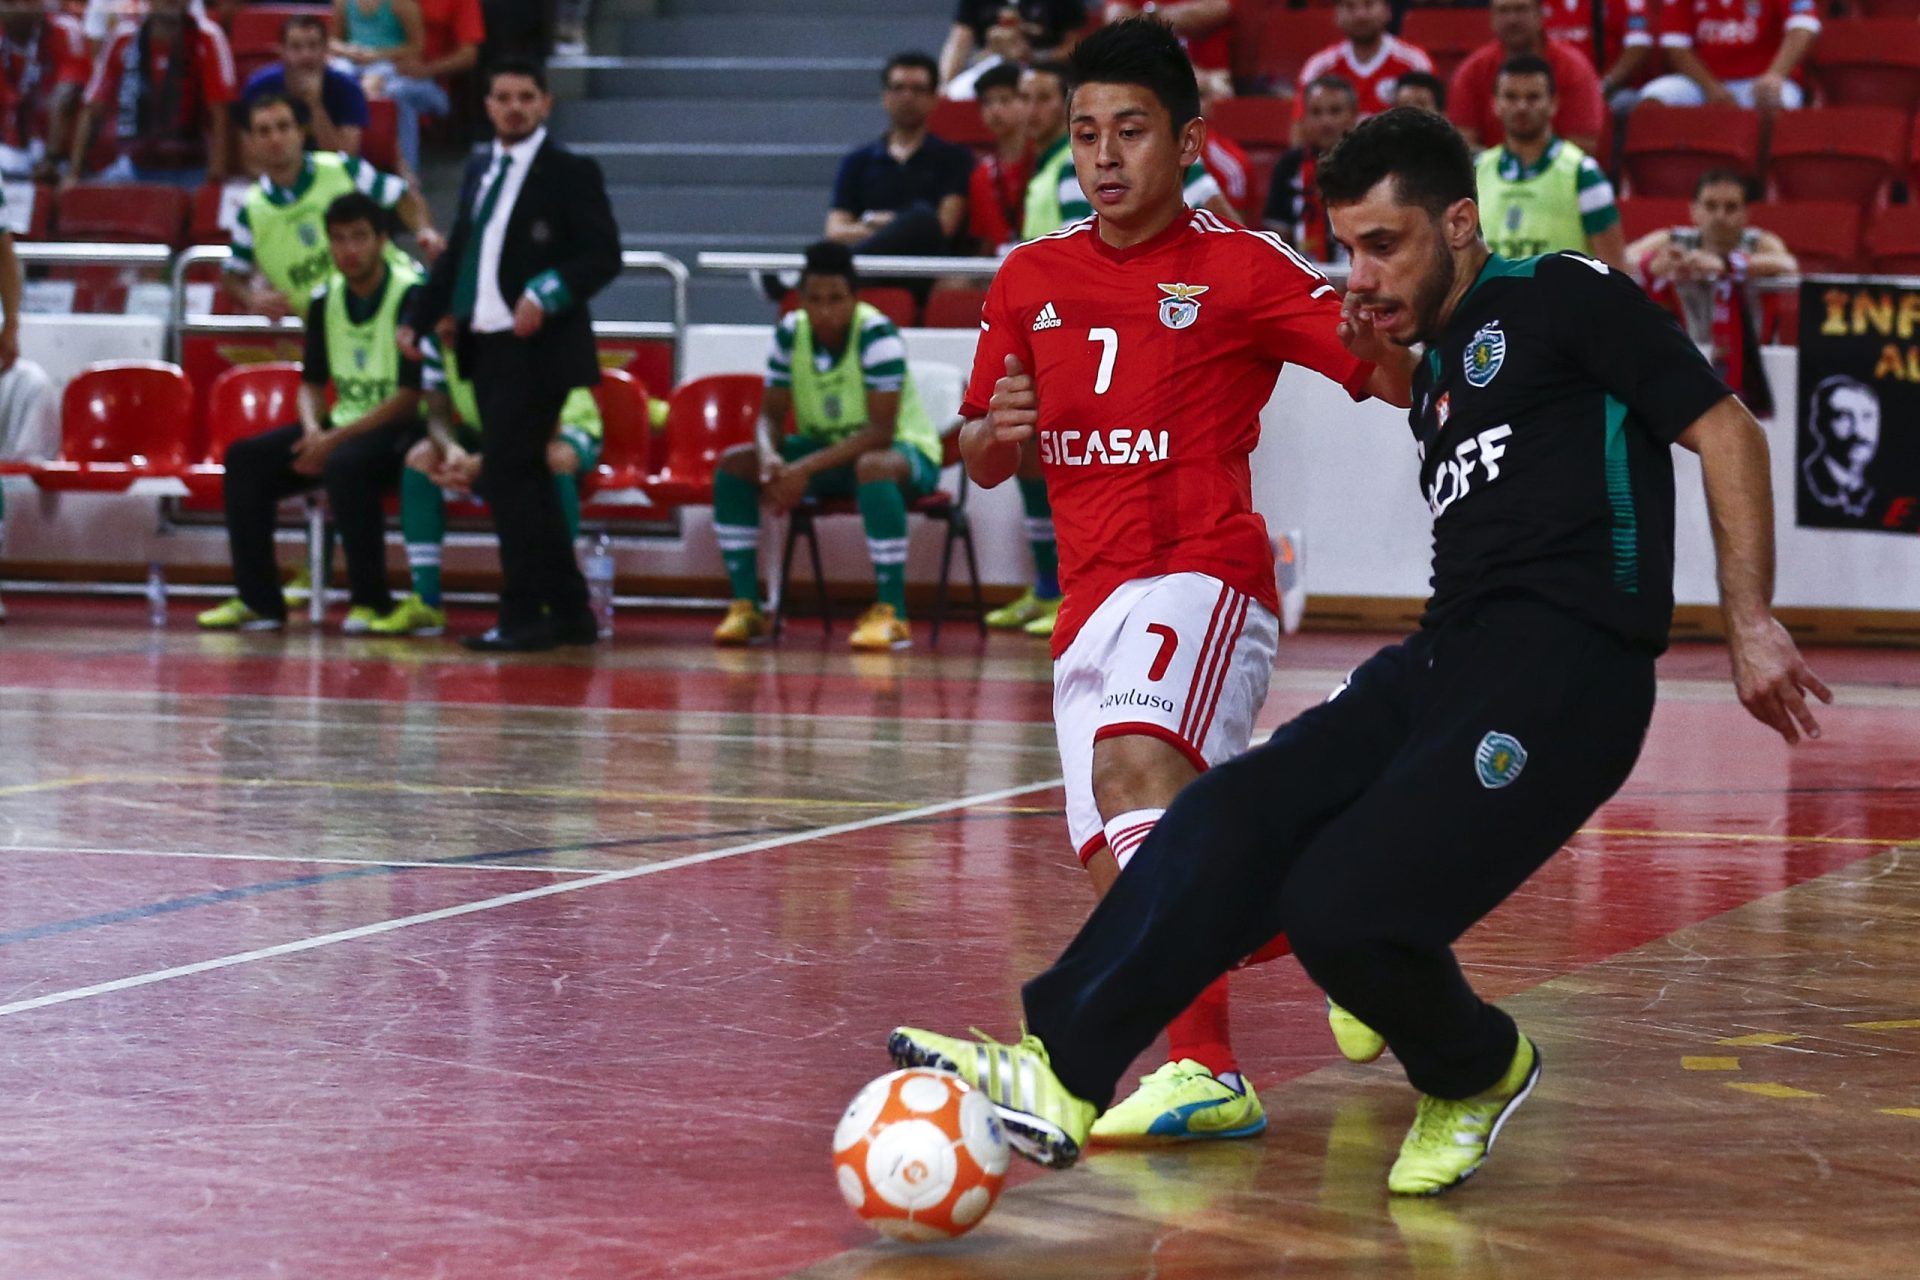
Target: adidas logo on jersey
[{"x": 1047, "y": 319}]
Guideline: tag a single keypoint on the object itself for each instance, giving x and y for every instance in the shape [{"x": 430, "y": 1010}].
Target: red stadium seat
[
  {"x": 203, "y": 225},
  {"x": 1289, "y": 37},
  {"x": 1668, "y": 148},
  {"x": 243, "y": 401},
  {"x": 959, "y": 121},
  {"x": 123, "y": 213},
  {"x": 380, "y": 140},
  {"x": 627, "y": 433},
  {"x": 1893, "y": 241},
  {"x": 1869, "y": 62},
  {"x": 1836, "y": 153},
  {"x": 40, "y": 217},
  {"x": 1823, "y": 234},
  {"x": 1448, "y": 35},
  {"x": 121, "y": 421},
  {"x": 954, "y": 309},
  {"x": 1641, "y": 215},
  {"x": 1255, "y": 122},
  {"x": 894, "y": 303},
  {"x": 1906, "y": 9},
  {"x": 705, "y": 417}
]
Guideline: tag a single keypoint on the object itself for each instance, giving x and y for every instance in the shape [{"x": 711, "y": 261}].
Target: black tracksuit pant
[
  {"x": 1373, "y": 830},
  {"x": 357, "y": 475}
]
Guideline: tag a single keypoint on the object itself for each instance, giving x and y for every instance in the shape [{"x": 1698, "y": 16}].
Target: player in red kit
[{"x": 1133, "y": 352}]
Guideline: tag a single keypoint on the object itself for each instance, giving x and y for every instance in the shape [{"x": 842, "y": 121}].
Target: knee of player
[
  {"x": 878, "y": 465},
  {"x": 742, "y": 462},
  {"x": 1137, "y": 771}
]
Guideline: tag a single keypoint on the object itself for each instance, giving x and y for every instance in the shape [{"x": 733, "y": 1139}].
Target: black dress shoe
[
  {"x": 581, "y": 628},
  {"x": 532, "y": 638}
]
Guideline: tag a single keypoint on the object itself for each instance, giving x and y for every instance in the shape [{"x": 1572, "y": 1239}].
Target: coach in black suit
[{"x": 535, "y": 239}]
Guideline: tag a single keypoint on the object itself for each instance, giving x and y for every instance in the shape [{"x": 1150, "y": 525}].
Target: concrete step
[
  {"x": 857, "y": 35},
  {"x": 753, "y": 120},
  {"x": 777, "y": 8},
  {"x": 711, "y": 299},
  {"x": 791, "y": 79},
  {"x": 739, "y": 210},
  {"x": 634, "y": 164}
]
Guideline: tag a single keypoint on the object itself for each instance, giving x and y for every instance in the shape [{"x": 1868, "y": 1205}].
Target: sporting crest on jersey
[
  {"x": 1485, "y": 354},
  {"x": 306, "y": 234},
  {"x": 1178, "y": 310},
  {"x": 1444, "y": 409},
  {"x": 1498, "y": 760}
]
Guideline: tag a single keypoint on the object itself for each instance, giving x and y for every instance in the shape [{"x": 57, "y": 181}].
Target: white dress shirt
[{"x": 491, "y": 312}]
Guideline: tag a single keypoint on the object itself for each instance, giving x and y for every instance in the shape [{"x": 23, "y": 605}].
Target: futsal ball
[{"x": 920, "y": 1155}]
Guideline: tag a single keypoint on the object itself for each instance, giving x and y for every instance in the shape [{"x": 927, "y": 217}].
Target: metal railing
[{"x": 91, "y": 254}]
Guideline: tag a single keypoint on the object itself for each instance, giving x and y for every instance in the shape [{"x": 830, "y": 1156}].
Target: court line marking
[
  {"x": 47, "y": 784},
  {"x": 511, "y": 899},
  {"x": 289, "y": 858},
  {"x": 1752, "y": 837}
]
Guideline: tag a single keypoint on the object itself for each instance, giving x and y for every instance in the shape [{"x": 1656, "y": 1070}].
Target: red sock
[{"x": 1201, "y": 1032}]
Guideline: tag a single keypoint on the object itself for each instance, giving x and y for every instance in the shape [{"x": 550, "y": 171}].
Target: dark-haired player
[
  {"x": 1378, "y": 827},
  {"x": 1131, "y": 352}
]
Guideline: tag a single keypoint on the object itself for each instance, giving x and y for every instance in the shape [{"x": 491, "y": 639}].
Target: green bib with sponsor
[
  {"x": 365, "y": 358},
  {"x": 290, "y": 229},
  {"x": 1526, "y": 211},
  {"x": 831, "y": 406}
]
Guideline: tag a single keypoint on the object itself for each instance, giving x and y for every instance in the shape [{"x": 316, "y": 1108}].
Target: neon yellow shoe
[
  {"x": 1358, "y": 1042},
  {"x": 298, "y": 590},
  {"x": 881, "y": 629},
  {"x": 1182, "y": 1102},
  {"x": 411, "y": 617},
  {"x": 1450, "y": 1140},
  {"x": 743, "y": 624},
  {"x": 1045, "y": 1123},
  {"x": 359, "y": 620},
  {"x": 235, "y": 616},
  {"x": 1028, "y": 608},
  {"x": 1042, "y": 627}
]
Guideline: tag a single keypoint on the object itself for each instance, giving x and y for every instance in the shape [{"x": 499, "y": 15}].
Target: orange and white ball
[{"x": 920, "y": 1155}]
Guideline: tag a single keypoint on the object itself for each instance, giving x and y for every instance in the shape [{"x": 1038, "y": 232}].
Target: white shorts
[{"x": 1183, "y": 658}]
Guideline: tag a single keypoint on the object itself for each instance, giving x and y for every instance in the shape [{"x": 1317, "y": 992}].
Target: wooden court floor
[{"x": 325, "y": 958}]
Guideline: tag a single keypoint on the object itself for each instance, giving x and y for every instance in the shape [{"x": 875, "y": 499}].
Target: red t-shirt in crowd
[
  {"x": 1373, "y": 81},
  {"x": 446, "y": 25},
  {"x": 996, "y": 199},
  {"x": 1214, "y": 50},
  {"x": 1233, "y": 170},
  {"x": 1582, "y": 112},
  {"x": 1151, "y": 365},
  {"x": 31, "y": 69},
  {"x": 128, "y": 106},
  {"x": 1627, "y": 22},
  {"x": 1737, "y": 39}
]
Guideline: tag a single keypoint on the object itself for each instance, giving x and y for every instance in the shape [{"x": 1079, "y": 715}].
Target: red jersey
[
  {"x": 996, "y": 199},
  {"x": 1628, "y": 24},
  {"x": 137, "y": 83},
  {"x": 1151, "y": 365},
  {"x": 30, "y": 70},
  {"x": 1737, "y": 39},
  {"x": 1230, "y": 167},
  {"x": 1373, "y": 81},
  {"x": 1582, "y": 113},
  {"x": 446, "y": 25}
]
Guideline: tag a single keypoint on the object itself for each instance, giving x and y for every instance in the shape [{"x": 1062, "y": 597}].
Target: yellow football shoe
[
  {"x": 743, "y": 624},
  {"x": 1045, "y": 1123},
  {"x": 881, "y": 629},
  {"x": 1182, "y": 1102},
  {"x": 1027, "y": 609},
  {"x": 1450, "y": 1139},
  {"x": 1358, "y": 1042}
]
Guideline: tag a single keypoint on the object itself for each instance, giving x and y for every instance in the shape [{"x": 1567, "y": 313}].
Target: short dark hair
[
  {"x": 1529, "y": 64},
  {"x": 302, "y": 21},
  {"x": 1432, "y": 83},
  {"x": 1720, "y": 178},
  {"x": 515, "y": 65},
  {"x": 916, "y": 60},
  {"x": 1142, "y": 51},
  {"x": 1422, "y": 152},
  {"x": 830, "y": 258},
  {"x": 1054, "y": 67},
  {"x": 262, "y": 101},
  {"x": 357, "y": 206},
  {"x": 1337, "y": 84},
  {"x": 1002, "y": 75}
]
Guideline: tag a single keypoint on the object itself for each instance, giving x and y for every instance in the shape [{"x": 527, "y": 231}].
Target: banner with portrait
[{"x": 1857, "y": 445}]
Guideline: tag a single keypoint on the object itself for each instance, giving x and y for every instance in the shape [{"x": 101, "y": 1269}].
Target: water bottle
[
  {"x": 599, "y": 575},
  {"x": 156, "y": 595},
  {"x": 1289, "y": 566}
]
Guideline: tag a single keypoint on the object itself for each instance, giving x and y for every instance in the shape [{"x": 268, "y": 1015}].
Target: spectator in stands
[
  {"x": 1007, "y": 46},
  {"x": 1702, "y": 272},
  {"x": 1294, "y": 207},
  {"x": 1225, "y": 160},
  {"x": 165, "y": 82},
  {"x": 355, "y": 449},
  {"x": 29, "y": 417},
  {"x": 1740, "y": 51},
  {"x": 1050, "y": 28},
  {"x": 905, "y": 192},
  {"x": 1421, "y": 90},
  {"x": 997, "y": 195},
  {"x": 1205, "y": 27},
  {"x": 385, "y": 39},
  {"x": 452, "y": 33},
  {"x": 280, "y": 249},
  {"x": 859, "y": 432},
  {"x": 1370, "y": 58},
  {"x": 1538, "y": 193},
  {"x": 327, "y": 101},
  {"x": 44, "y": 68},
  {"x": 1519, "y": 31},
  {"x": 1626, "y": 34}
]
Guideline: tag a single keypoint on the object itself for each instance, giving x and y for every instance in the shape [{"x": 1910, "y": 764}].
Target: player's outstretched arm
[
  {"x": 992, "y": 446},
  {"x": 1769, "y": 674}
]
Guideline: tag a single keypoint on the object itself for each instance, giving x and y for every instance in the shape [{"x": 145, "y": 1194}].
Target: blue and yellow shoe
[
  {"x": 1182, "y": 1102},
  {"x": 1358, "y": 1042},
  {"x": 1027, "y": 609},
  {"x": 1450, "y": 1139},
  {"x": 1045, "y": 1123}
]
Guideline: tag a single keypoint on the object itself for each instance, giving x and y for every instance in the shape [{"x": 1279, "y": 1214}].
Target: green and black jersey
[{"x": 1544, "y": 416}]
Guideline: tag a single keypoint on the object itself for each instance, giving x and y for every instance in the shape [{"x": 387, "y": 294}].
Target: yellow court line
[
  {"x": 1709, "y": 1064},
  {"x": 1898, "y": 1024},
  {"x": 1759, "y": 1038},
  {"x": 1901, "y": 1111},
  {"x": 50, "y": 784},
  {"x": 1770, "y": 1090},
  {"x": 1743, "y": 837}
]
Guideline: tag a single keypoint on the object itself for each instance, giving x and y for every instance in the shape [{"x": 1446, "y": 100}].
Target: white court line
[
  {"x": 510, "y": 899},
  {"x": 283, "y": 858}
]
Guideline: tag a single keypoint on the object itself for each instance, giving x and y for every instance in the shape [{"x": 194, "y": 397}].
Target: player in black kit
[{"x": 1378, "y": 827}]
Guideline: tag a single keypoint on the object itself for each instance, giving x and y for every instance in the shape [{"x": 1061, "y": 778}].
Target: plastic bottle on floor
[
  {"x": 598, "y": 571},
  {"x": 156, "y": 595}
]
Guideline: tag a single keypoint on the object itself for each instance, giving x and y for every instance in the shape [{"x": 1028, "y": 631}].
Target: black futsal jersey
[{"x": 1544, "y": 415}]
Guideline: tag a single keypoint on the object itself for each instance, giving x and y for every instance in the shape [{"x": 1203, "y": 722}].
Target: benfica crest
[{"x": 1178, "y": 310}]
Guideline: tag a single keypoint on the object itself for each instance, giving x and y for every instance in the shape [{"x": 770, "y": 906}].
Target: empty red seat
[
  {"x": 1288, "y": 37},
  {"x": 704, "y": 418},
  {"x": 1668, "y": 148},
  {"x": 1448, "y": 35},
  {"x": 203, "y": 224},
  {"x": 380, "y": 140},
  {"x": 243, "y": 401},
  {"x": 1642, "y": 215},
  {"x": 1836, "y": 153},
  {"x": 954, "y": 308},
  {"x": 123, "y": 213},
  {"x": 1255, "y": 122},
  {"x": 1869, "y": 62},
  {"x": 121, "y": 421},
  {"x": 959, "y": 121},
  {"x": 1823, "y": 234},
  {"x": 895, "y": 303},
  {"x": 626, "y": 432},
  {"x": 1893, "y": 241}
]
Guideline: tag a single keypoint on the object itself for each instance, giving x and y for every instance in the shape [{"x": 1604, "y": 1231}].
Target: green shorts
[{"x": 923, "y": 474}]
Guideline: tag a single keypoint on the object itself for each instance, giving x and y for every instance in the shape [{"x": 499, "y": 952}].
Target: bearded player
[{"x": 1132, "y": 351}]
